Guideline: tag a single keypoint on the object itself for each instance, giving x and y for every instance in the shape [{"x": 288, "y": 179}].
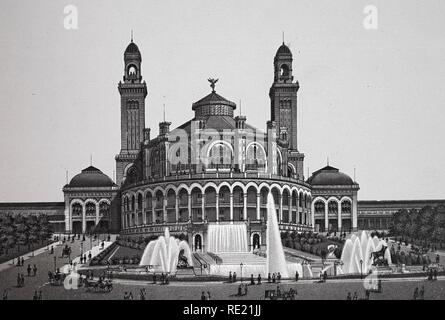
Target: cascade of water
[
  {"x": 359, "y": 248},
  {"x": 275, "y": 254},
  {"x": 163, "y": 253},
  {"x": 227, "y": 238}
]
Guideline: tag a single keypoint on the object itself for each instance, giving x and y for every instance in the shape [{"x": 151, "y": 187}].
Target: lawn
[{"x": 19, "y": 251}]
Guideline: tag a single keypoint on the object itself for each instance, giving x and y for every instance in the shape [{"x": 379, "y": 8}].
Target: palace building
[{"x": 215, "y": 169}]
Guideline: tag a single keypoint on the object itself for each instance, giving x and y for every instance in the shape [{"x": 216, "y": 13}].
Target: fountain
[
  {"x": 227, "y": 238},
  {"x": 229, "y": 241},
  {"x": 164, "y": 253},
  {"x": 275, "y": 254},
  {"x": 360, "y": 247}
]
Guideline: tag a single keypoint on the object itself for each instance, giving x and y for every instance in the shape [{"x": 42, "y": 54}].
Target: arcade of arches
[
  {"x": 214, "y": 203},
  {"x": 90, "y": 214}
]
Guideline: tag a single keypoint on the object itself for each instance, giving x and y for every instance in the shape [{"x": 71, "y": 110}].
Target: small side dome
[
  {"x": 132, "y": 48},
  {"x": 91, "y": 177},
  {"x": 283, "y": 50},
  {"x": 329, "y": 176}
]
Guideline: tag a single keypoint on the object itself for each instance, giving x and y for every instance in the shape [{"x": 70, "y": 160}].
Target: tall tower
[
  {"x": 283, "y": 106},
  {"x": 133, "y": 92},
  {"x": 283, "y": 97}
]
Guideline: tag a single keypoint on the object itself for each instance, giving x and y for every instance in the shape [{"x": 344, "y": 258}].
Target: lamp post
[
  {"x": 361, "y": 269},
  {"x": 241, "y": 266}
]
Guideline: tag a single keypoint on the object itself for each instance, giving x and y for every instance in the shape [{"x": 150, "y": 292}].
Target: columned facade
[{"x": 227, "y": 201}]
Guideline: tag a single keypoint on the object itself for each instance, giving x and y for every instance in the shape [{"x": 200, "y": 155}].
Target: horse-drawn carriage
[
  {"x": 98, "y": 286},
  {"x": 280, "y": 295},
  {"x": 66, "y": 251},
  {"x": 56, "y": 278}
]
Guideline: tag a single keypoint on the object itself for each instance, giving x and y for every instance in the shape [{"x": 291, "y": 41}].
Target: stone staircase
[{"x": 242, "y": 257}]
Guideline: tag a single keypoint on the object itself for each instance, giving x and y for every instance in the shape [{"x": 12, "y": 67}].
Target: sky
[{"x": 369, "y": 99}]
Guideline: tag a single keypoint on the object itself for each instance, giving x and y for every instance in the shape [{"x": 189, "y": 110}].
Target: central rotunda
[{"x": 214, "y": 172}]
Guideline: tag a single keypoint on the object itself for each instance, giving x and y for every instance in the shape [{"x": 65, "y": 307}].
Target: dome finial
[
  {"x": 212, "y": 83},
  {"x": 283, "y": 36},
  {"x": 131, "y": 35},
  {"x": 327, "y": 161}
]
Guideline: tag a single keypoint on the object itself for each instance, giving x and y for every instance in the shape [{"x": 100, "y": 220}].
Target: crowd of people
[
  {"x": 164, "y": 278},
  {"x": 37, "y": 295},
  {"x": 432, "y": 274}
]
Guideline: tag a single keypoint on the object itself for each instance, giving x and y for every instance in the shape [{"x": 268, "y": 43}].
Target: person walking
[
  {"x": 22, "y": 280},
  {"x": 19, "y": 280},
  {"x": 208, "y": 295},
  {"x": 34, "y": 270},
  {"x": 234, "y": 277},
  {"x": 259, "y": 279},
  {"x": 142, "y": 294},
  {"x": 29, "y": 270},
  {"x": 22, "y": 261},
  {"x": 349, "y": 297},
  {"x": 279, "y": 277},
  {"x": 297, "y": 275},
  {"x": 230, "y": 276},
  {"x": 252, "y": 280},
  {"x": 269, "y": 278},
  {"x": 416, "y": 293},
  {"x": 422, "y": 293},
  {"x": 203, "y": 296},
  {"x": 355, "y": 297},
  {"x": 435, "y": 274}
]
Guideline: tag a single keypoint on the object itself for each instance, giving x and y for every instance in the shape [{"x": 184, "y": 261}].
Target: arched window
[
  {"x": 255, "y": 157},
  {"x": 90, "y": 209},
  {"x": 346, "y": 206},
  {"x": 332, "y": 207},
  {"x": 220, "y": 156},
  {"x": 104, "y": 208},
  {"x": 132, "y": 70},
  {"x": 133, "y": 200},
  {"x": 319, "y": 207},
  {"x": 77, "y": 209},
  {"x": 284, "y": 70},
  {"x": 139, "y": 201}
]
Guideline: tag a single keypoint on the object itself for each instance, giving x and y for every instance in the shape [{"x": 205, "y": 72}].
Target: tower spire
[
  {"x": 91, "y": 159},
  {"x": 163, "y": 107},
  {"x": 131, "y": 35},
  {"x": 283, "y": 36},
  {"x": 327, "y": 160}
]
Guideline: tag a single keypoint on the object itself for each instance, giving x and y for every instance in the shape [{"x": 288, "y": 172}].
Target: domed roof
[
  {"x": 283, "y": 49},
  {"x": 213, "y": 99},
  {"x": 132, "y": 48},
  {"x": 91, "y": 177},
  {"x": 329, "y": 176}
]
